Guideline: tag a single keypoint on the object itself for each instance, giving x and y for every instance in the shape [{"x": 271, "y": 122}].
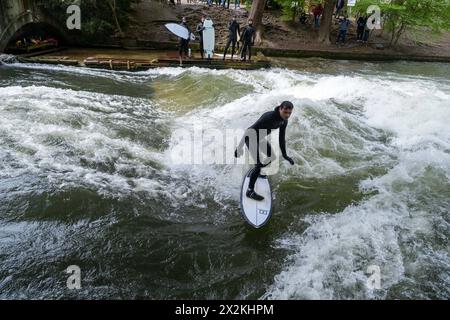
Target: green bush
[{"x": 399, "y": 16}]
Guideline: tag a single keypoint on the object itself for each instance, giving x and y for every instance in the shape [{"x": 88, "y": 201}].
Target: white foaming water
[
  {"x": 342, "y": 126},
  {"x": 313, "y": 126},
  {"x": 331, "y": 258},
  {"x": 7, "y": 58},
  {"x": 53, "y": 131},
  {"x": 125, "y": 76},
  {"x": 350, "y": 115}
]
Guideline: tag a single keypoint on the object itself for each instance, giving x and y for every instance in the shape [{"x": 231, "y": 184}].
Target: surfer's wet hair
[{"x": 287, "y": 105}]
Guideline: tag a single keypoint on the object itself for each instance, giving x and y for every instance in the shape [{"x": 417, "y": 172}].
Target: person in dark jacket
[
  {"x": 360, "y": 25},
  {"x": 343, "y": 28},
  {"x": 276, "y": 119},
  {"x": 183, "y": 44},
  {"x": 248, "y": 40},
  {"x": 233, "y": 29},
  {"x": 365, "y": 37},
  {"x": 199, "y": 30}
]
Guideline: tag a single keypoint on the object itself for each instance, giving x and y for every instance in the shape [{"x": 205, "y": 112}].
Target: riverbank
[
  {"x": 147, "y": 39},
  {"x": 281, "y": 38},
  {"x": 142, "y": 59},
  {"x": 138, "y": 60}
]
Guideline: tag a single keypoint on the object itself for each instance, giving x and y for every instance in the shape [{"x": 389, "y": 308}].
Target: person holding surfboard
[
  {"x": 208, "y": 38},
  {"x": 183, "y": 44},
  {"x": 248, "y": 39},
  {"x": 234, "y": 31},
  {"x": 276, "y": 119},
  {"x": 199, "y": 30}
]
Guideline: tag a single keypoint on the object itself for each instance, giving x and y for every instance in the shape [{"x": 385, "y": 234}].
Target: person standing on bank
[
  {"x": 233, "y": 28},
  {"x": 317, "y": 11},
  {"x": 343, "y": 28},
  {"x": 199, "y": 30},
  {"x": 183, "y": 44},
  {"x": 361, "y": 24},
  {"x": 248, "y": 40},
  {"x": 365, "y": 37}
]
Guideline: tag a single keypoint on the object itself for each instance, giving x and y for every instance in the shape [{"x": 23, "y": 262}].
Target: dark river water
[{"x": 88, "y": 178}]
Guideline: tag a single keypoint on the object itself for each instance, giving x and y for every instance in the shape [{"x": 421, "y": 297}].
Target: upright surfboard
[
  {"x": 256, "y": 213},
  {"x": 208, "y": 38},
  {"x": 178, "y": 30}
]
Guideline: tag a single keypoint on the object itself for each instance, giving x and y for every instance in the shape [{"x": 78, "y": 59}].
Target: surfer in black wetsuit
[
  {"x": 233, "y": 28},
  {"x": 183, "y": 44},
  {"x": 276, "y": 119},
  {"x": 248, "y": 39},
  {"x": 199, "y": 30}
]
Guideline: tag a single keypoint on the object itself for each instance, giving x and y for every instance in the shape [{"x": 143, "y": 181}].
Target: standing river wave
[{"x": 87, "y": 179}]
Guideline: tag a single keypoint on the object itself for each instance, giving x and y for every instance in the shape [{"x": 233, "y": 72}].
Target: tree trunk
[
  {"x": 113, "y": 5},
  {"x": 327, "y": 19},
  {"x": 399, "y": 33},
  {"x": 256, "y": 13},
  {"x": 383, "y": 24},
  {"x": 395, "y": 30}
]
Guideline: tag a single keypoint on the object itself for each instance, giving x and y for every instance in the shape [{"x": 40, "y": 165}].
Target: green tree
[
  {"x": 256, "y": 14},
  {"x": 327, "y": 19},
  {"x": 291, "y": 8},
  {"x": 400, "y": 16}
]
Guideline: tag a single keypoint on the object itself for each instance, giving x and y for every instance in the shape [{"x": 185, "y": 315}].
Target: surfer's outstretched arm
[
  {"x": 282, "y": 138},
  {"x": 282, "y": 141}
]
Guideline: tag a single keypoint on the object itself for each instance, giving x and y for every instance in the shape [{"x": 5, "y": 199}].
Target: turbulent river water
[{"x": 87, "y": 179}]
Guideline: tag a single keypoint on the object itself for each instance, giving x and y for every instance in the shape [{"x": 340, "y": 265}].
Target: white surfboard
[
  {"x": 256, "y": 213},
  {"x": 178, "y": 30},
  {"x": 208, "y": 38}
]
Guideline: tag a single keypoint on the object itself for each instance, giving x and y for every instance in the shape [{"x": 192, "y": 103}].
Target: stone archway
[
  {"x": 35, "y": 30},
  {"x": 17, "y": 14}
]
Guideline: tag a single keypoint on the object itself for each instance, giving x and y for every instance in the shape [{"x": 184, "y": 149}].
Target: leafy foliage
[
  {"x": 412, "y": 15},
  {"x": 292, "y": 8}
]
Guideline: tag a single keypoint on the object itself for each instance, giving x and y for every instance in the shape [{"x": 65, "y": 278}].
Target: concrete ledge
[{"x": 340, "y": 55}]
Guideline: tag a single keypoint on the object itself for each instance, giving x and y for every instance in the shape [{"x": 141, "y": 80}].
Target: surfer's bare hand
[
  {"x": 289, "y": 159},
  {"x": 238, "y": 152}
]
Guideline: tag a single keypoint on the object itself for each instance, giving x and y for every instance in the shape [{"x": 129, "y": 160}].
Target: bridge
[{"x": 17, "y": 14}]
